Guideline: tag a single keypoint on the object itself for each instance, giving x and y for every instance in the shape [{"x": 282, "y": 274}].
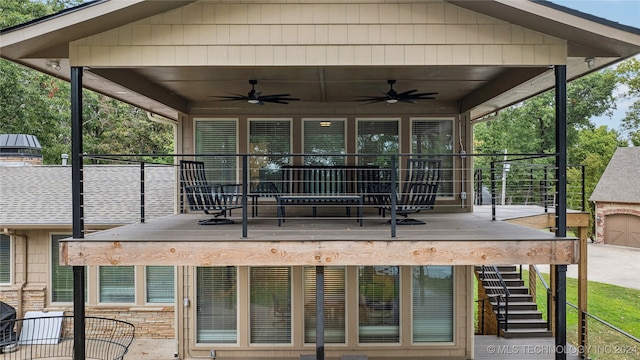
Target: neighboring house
[
  {"x": 35, "y": 212},
  {"x": 617, "y": 200},
  {"x": 253, "y": 295}
]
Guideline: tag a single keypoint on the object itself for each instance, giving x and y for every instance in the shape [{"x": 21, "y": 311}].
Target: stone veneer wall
[
  {"x": 152, "y": 322},
  {"x": 608, "y": 208}
]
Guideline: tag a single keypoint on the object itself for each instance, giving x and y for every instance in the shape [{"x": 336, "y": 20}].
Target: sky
[{"x": 626, "y": 12}]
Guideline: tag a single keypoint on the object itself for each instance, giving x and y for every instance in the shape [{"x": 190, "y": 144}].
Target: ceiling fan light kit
[
  {"x": 256, "y": 97},
  {"x": 392, "y": 97}
]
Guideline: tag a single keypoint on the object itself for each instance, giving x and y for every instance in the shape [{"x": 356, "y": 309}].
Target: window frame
[
  {"x": 99, "y": 286},
  {"x": 292, "y": 313},
  {"x": 361, "y": 120},
  {"x": 250, "y": 151},
  {"x": 453, "y": 310},
  {"x": 146, "y": 284},
  {"x": 232, "y": 169},
  {"x": 399, "y": 279},
  {"x": 319, "y": 120},
  {"x": 56, "y": 237},
  {"x": 197, "y": 299},
  {"x": 445, "y": 167},
  {"x": 345, "y": 303},
  {"x": 10, "y": 263}
]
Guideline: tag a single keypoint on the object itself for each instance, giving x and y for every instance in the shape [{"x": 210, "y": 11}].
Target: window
[
  {"x": 217, "y": 137},
  {"x": 216, "y": 312},
  {"x": 62, "y": 276},
  {"x": 377, "y": 137},
  {"x": 379, "y": 304},
  {"x": 431, "y": 137},
  {"x": 272, "y": 138},
  {"x": 324, "y": 137},
  {"x": 432, "y": 297},
  {"x": 5, "y": 259},
  {"x": 160, "y": 283},
  {"x": 334, "y": 305},
  {"x": 270, "y": 305},
  {"x": 117, "y": 284}
]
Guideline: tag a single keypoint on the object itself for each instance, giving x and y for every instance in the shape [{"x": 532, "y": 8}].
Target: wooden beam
[{"x": 318, "y": 253}]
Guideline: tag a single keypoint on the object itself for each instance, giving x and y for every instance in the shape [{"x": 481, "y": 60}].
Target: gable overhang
[{"x": 44, "y": 45}]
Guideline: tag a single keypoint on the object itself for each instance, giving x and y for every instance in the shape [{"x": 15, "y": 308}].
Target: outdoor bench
[{"x": 312, "y": 185}]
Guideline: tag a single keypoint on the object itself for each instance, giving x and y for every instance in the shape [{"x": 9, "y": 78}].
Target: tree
[
  {"x": 38, "y": 104},
  {"x": 628, "y": 74}
]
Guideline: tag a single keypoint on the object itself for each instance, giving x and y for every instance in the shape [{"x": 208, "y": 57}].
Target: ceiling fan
[
  {"x": 255, "y": 97},
  {"x": 392, "y": 97}
]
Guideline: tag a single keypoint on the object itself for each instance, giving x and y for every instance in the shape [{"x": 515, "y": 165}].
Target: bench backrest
[{"x": 327, "y": 180}]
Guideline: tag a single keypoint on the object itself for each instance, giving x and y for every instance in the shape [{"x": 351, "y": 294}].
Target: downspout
[{"x": 25, "y": 268}]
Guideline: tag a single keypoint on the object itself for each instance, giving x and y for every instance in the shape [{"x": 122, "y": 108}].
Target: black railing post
[
  {"x": 77, "y": 201},
  {"x": 393, "y": 195},
  {"x": 561, "y": 311},
  {"x": 245, "y": 189},
  {"x": 493, "y": 190},
  {"x": 142, "y": 191},
  {"x": 545, "y": 188},
  {"x": 584, "y": 182}
]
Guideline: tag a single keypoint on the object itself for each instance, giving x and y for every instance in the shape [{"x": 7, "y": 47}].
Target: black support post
[
  {"x": 319, "y": 312},
  {"x": 78, "y": 212},
  {"x": 561, "y": 311},
  {"x": 561, "y": 150},
  {"x": 561, "y": 208}
]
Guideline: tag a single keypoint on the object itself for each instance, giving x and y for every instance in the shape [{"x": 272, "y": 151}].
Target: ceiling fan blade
[{"x": 230, "y": 98}]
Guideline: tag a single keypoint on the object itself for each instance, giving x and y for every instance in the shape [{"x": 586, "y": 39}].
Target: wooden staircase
[{"x": 524, "y": 318}]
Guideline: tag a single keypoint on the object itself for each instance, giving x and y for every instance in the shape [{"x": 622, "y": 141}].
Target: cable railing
[{"x": 53, "y": 338}]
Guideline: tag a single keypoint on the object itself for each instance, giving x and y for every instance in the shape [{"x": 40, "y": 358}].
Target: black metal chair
[
  {"x": 419, "y": 191},
  {"x": 212, "y": 199}
]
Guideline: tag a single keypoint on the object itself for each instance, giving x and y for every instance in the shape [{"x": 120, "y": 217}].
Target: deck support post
[
  {"x": 561, "y": 208},
  {"x": 561, "y": 311},
  {"x": 78, "y": 212},
  {"x": 319, "y": 312}
]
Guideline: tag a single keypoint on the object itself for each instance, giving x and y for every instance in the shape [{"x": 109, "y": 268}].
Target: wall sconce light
[
  {"x": 54, "y": 64},
  {"x": 325, "y": 123},
  {"x": 591, "y": 62}
]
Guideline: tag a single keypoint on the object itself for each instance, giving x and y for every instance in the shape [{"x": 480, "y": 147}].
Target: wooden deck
[{"x": 446, "y": 239}]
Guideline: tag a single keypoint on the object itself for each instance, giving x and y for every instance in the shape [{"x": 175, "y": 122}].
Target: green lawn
[{"x": 616, "y": 305}]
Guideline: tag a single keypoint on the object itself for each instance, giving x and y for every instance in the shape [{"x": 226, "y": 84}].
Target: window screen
[
  {"x": 5, "y": 259},
  {"x": 117, "y": 284},
  {"x": 377, "y": 137},
  {"x": 270, "y": 305},
  {"x": 273, "y": 139},
  {"x": 431, "y": 137},
  {"x": 216, "y": 301},
  {"x": 217, "y": 137},
  {"x": 324, "y": 137},
  {"x": 160, "y": 281},
  {"x": 379, "y": 304},
  {"x": 62, "y": 276},
  {"x": 432, "y": 297},
  {"x": 334, "y": 305}
]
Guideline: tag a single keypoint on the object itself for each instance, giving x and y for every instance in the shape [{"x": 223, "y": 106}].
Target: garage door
[{"x": 622, "y": 229}]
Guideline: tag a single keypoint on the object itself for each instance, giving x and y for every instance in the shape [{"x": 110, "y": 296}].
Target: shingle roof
[
  {"x": 620, "y": 181},
  {"x": 38, "y": 195}
]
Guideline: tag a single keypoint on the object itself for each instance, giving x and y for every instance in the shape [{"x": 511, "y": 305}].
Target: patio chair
[
  {"x": 212, "y": 199},
  {"x": 418, "y": 193}
]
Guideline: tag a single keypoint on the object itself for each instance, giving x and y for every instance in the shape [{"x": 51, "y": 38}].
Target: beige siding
[{"x": 205, "y": 33}]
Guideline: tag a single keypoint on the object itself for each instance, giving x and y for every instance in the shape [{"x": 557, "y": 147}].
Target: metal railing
[
  {"x": 53, "y": 337},
  {"x": 491, "y": 277}
]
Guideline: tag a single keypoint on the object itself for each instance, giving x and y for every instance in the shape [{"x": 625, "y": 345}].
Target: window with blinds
[
  {"x": 377, "y": 137},
  {"x": 323, "y": 137},
  {"x": 5, "y": 259},
  {"x": 62, "y": 276},
  {"x": 432, "y": 303},
  {"x": 273, "y": 139},
  {"x": 379, "y": 304},
  {"x": 431, "y": 137},
  {"x": 219, "y": 138},
  {"x": 334, "y": 305},
  {"x": 117, "y": 284},
  {"x": 160, "y": 284},
  {"x": 270, "y": 305},
  {"x": 216, "y": 305}
]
